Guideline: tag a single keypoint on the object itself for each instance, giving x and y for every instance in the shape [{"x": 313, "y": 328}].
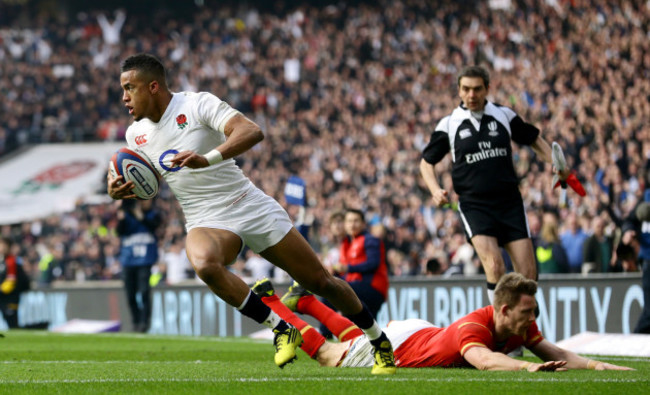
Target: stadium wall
[{"x": 569, "y": 304}]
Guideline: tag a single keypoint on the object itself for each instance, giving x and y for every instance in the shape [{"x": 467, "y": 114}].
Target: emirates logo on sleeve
[{"x": 181, "y": 120}]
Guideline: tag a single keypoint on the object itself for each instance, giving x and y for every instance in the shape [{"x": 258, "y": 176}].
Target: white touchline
[{"x": 324, "y": 379}]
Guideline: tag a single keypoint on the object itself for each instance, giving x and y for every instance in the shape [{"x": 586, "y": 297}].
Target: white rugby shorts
[{"x": 255, "y": 217}]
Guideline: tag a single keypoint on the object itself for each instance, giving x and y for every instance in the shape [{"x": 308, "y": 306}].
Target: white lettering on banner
[
  {"x": 424, "y": 305},
  {"x": 441, "y": 307},
  {"x": 601, "y": 309},
  {"x": 470, "y": 299},
  {"x": 209, "y": 313},
  {"x": 156, "y": 326},
  {"x": 223, "y": 331},
  {"x": 582, "y": 302},
  {"x": 38, "y": 307},
  {"x": 451, "y": 304},
  {"x": 196, "y": 312},
  {"x": 567, "y": 295},
  {"x": 185, "y": 313},
  {"x": 547, "y": 322},
  {"x": 633, "y": 293},
  {"x": 458, "y": 303},
  {"x": 171, "y": 313},
  {"x": 407, "y": 298}
]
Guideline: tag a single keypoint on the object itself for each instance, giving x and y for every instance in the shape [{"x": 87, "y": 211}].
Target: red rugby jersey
[{"x": 445, "y": 347}]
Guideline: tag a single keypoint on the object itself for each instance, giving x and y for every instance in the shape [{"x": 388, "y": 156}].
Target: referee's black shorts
[{"x": 506, "y": 219}]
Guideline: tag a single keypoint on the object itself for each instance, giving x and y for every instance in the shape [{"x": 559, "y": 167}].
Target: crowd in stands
[{"x": 348, "y": 97}]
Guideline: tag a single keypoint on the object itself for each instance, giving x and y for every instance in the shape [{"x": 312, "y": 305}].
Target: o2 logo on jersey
[{"x": 164, "y": 155}]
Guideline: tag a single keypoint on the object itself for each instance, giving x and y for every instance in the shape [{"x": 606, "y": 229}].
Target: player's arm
[
  {"x": 242, "y": 134},
  {"x": 483, "y": 358},
  {"x": 548, "y": 351}
]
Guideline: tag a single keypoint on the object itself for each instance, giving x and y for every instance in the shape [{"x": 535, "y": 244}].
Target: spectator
[
  {"x": 257, "y": 266},
  {"x": 362, "y": 262},
  {"x": 573, "y": 239},
  {"x": 330, "y": 252},
  {"x": 638, "y": 224},
  {"x": 598, "y": 248},
  {"x": 13, "y": 282},
  {"x": 111, "y": 31},
  {"x": 434, "y": 267},
  {"x": 137, "y": 226},
  {"x": 551, "y": 257},
  {"x": 177, "y": 266}
]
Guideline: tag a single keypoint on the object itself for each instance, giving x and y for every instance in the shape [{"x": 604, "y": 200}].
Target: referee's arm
[
  {"x": 542, "y": 149},
  {"x": 428, "y": 172}
]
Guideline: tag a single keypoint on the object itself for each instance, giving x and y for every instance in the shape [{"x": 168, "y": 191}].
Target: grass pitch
[{"x": 38, "y": 362}]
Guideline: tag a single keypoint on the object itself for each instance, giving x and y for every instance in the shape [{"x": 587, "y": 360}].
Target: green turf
[{"x": 36, "y": 362}]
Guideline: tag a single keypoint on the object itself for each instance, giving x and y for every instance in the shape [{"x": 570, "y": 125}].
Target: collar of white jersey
[{"x": 169, "y": 110}]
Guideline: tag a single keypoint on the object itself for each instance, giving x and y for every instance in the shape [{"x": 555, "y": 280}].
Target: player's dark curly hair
[
  {"x": 475, "y": 71},
  {"x": 510, "y": 288},
  {"x": 146, "y": 65}
]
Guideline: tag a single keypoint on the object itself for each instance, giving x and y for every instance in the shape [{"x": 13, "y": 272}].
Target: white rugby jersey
[{"x": 195, "y": 122}]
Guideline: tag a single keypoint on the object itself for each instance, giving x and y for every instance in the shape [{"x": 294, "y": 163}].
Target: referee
[{"x": 478, "y": 133}]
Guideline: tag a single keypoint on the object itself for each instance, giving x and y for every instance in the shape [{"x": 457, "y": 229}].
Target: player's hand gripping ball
[{"x": 135, "y": 166}]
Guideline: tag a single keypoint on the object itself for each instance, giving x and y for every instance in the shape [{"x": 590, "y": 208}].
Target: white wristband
[{"x": 213, "y": 157}]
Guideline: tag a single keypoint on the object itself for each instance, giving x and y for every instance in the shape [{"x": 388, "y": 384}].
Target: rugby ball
[{"x": 134, "y": 166}]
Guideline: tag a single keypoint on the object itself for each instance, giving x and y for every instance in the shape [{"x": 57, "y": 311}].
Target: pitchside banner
[
  {"x": 51, "y": 178},
  {"x": 569, "y": 304}
]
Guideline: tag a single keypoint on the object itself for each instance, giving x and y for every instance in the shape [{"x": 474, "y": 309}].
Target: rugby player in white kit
[{"x": 192, "y": 138}]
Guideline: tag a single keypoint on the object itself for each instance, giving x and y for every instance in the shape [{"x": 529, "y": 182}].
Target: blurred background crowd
[{"x": 348, "y": 95}]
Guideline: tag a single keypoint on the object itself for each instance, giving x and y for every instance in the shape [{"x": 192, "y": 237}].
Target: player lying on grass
[{"x": 480, "y": 339}]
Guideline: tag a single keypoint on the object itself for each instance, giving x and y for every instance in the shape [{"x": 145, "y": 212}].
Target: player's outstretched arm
[
  {"x": 483, "y": 358},
  {"x": 548, "y": 351}
]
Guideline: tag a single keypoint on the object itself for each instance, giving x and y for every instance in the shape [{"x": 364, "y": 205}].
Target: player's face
[
  {"x": 472, "y": 91},
  {"x": 353, "y": 224},
  {"x": 137, "y": 95},
  {"x": 522, "y": 316}
]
